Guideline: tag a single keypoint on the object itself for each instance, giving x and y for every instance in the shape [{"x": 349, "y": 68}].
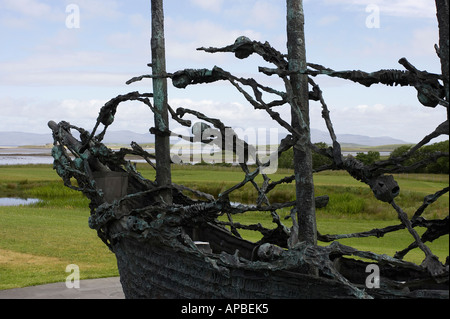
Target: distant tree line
[
  {"x": 438, "y": 167},
  {"x": 286, "y": 159},
  {"x": 441, "y": 166}
]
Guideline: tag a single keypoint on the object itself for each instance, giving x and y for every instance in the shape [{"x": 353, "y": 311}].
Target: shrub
[
  {"x": 369, "y": 158},
  {"x": 286, "y": 159},
  {"x": 441, "y": 166}
]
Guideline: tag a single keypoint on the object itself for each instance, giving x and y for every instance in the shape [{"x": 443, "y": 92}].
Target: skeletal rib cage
[{"x": 81, "y": 159}]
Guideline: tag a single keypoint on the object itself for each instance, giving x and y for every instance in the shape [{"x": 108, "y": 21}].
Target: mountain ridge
[
  {"x": 16, "y": 139},
  {"x": 321, "y": 136}
]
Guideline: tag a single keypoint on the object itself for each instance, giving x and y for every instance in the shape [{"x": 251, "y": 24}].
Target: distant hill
[
  {"x": 14, "y": 139},
  {"x": 321, "y": 136},
  {"x": 22, "y": 139},
  {"x": 126, "y": 137}
]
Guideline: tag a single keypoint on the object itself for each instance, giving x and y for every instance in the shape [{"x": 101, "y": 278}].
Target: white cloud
[
  {"x": 99, "y": 9},
  {"x": 409, "y": 8},
  {"x": 67, "y": 65},
  {"x": 424, "y": 40},
  {"x": 206, "y": 32},
  {"x": 86, "y": 79},
  {"x": 32, "y": 115},
  {"x": 126, "y": 40},
  {"x": 209, "y": 5},
  {"x": 265, "y": 14},
  {"x": 44, "y": 57},
  {"x": 37, "y": 108},
  {"x": 28, "y": 8},
  {"x": 65, "y": 78},
  {"x": 29, "y": 15},
  {"x": 76, "y": 109},
  {"x": 139, "y": 21},
  {"x": 10, "y": 23},
  {"x": 399, "y": 8},
  {"x": 115, "y": 42},
  {"x": 183, "y": 37},
  {"x": 231, "y": 114},
  {"x": 328, "y": 20},
  {"x": 406, "y": 122},
  {"x": 56, "y": 11}
]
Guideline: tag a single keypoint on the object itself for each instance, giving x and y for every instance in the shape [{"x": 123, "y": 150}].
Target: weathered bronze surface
[{"x": 155, "y": 227}]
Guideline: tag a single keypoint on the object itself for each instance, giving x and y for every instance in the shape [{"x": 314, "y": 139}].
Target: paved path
[{"x": 107, "y": 288}]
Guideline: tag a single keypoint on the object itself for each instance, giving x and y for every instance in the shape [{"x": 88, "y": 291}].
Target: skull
[
  {"x": 243, "y": 47},
  {"x": 385, "y": 188}
]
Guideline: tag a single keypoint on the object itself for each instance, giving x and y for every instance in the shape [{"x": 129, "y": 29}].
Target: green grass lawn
[{"x": 37, "y": 242}]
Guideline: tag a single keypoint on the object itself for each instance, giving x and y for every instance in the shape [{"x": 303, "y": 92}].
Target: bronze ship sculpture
[{"x": 167, "y": 238}]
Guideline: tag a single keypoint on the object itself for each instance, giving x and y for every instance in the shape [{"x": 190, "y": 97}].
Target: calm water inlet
[{"x": 17, "y": 201}]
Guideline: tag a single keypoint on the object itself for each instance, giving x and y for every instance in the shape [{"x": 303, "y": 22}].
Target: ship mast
[
  {"x": 443, "y": 49},
  {"x": 306, "y": 210},
  {"x": 162, "y": 137}
]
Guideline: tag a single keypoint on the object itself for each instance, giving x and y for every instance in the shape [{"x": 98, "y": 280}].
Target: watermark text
[
  {"x": 373, "y": 280},
  {"x": 373, "y": 20},
  {"x": 73, "y": 17},
  {"x": 73, "y": 280},
  {"x": 231, "y": 146}
]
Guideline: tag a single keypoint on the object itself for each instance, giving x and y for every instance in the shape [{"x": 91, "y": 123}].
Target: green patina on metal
[{"x": 158, "y": 230}]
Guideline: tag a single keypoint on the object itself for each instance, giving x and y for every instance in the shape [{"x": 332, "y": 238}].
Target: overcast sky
[{"x": 51, "y": 68}]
